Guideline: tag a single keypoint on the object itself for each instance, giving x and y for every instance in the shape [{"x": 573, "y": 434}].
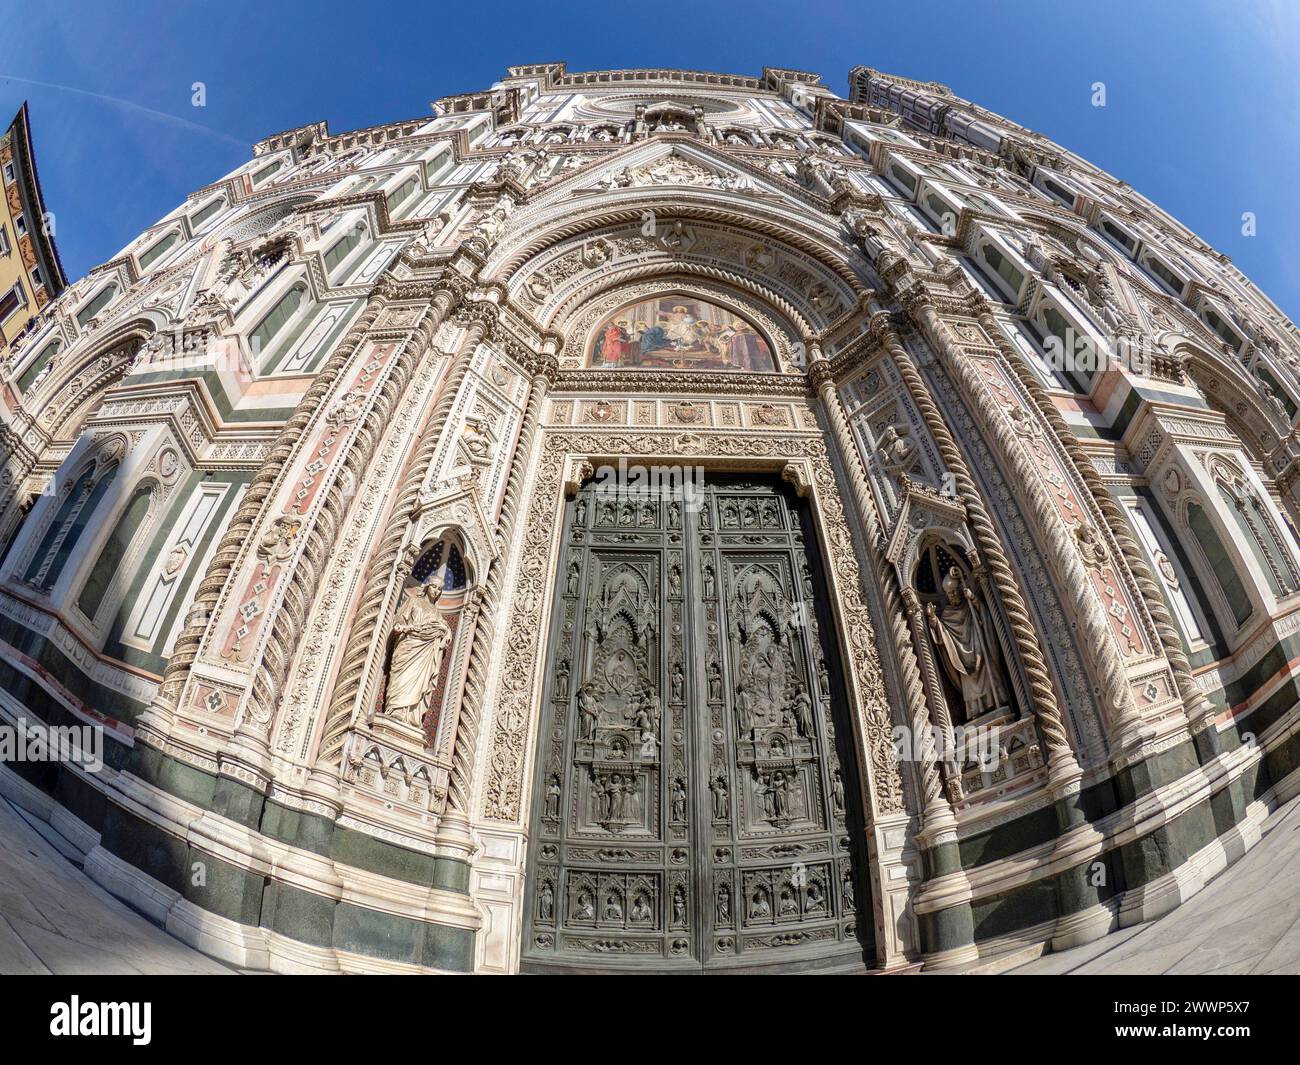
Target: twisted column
[
  {"x": 157, "y": 717},
  {"x": 453, "y": 830},
  {"x": 1199, "y": 710},
  {"x": 934, "y": 807},
  {"x": 1127, "y": 727},
  {"x": 385, "y": 573},
  {"x": 1060, "y": 755}
]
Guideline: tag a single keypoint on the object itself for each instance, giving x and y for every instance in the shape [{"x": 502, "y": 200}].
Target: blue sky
[{"x": 1201, "y": 111}]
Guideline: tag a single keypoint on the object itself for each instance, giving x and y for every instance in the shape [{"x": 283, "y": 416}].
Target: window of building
[
  {"x": 1217, "y": 322},
  {"x": 37, "y": 278},
  {"x": 1119, "y": 236},
  {"x": 944, "y": 213},
  {"x": 10, "y": 177},
  {"x": 5, "y": 247},
  {"x": 114, "y": 551},
  {"x": 11, "y": 302},
  {"x": 1058, "y": 190},
  {"x": 37, "y": 365},
  {"x": 20, "y": 225},
  {"x": 402, "y": 193},
  {"x": 276, "y": 319},
  {"x": 158, "y": 249},
  {"x": 1273, "y": 386},
  {"x": 1030, "y": 345},
  {"x": 23, "y": 511},
  {"x": 343, "y": 247},
  {"x": 1070, "y": 349},
  {"x": 1166, "y": 275},
  {"x": 1004, "y": 268},
  {"x": 1257, "y": 529},
  {"x": 906, "y": 180},
  {"x": 205, "y": 213},
  {"x": 65, "y": 530},
  {"x": 266, "y": 171},
  {"x": 1162, "y": 555},
  {"x": 1219, "y": 564},
  {"x": 976, "y": 272},
  {"x": 102, "y": 299}
]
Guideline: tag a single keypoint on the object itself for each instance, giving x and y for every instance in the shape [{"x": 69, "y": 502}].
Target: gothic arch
[
  {"x": 86, "y": 377},
  {"x": 98, "y": 465},
  {"x": 777, "y": 209},
  {"x": 1227, "y": 388},
  {"x": 122, "y": 569}
]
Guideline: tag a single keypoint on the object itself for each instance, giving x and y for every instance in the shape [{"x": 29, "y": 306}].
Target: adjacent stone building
[
  {"x": 657, "y": 520},
  {"x": 30, "y": 272}
]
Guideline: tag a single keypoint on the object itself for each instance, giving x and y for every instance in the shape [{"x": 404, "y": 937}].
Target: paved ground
[
  {"x": 1246, "y": 921},
  {"x": 55, "y": 919}
]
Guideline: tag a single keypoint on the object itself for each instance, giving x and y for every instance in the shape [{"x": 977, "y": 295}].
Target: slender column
[
  {"x": 1063, "y": 768},
  {"x": 249, "y": 744},
  {"x": 934, "y": 807},
  {"x": 388, "y": 567},
  {"x": 453, "y": 830},
  {"x": 934, "y": 691},
  {"x": 155, "y": 722},
  {"x": 1127, "y": 728},
  {"x": 1200, "y": 712}
]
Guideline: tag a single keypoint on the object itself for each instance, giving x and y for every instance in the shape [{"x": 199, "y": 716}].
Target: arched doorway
[{"x": 695, "y": 803}]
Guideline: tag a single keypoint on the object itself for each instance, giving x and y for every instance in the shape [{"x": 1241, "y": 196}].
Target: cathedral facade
[{"x": 656, "y": 521}]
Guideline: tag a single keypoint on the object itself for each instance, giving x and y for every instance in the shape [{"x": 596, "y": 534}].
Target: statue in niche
[
  {"x": 715, "y": 682},
  {"x": 718, "y": 785},
  {"x": 967, "y": 647},
  {"x": 588, "y": 711},
  {"x": 801, "y": 710},
  {"x": 420, "y": 640},
  {"x": 896, "y": 450},
  {"x": 562, "y": 679},
  {"x": 546, "y": 903},
  {"x": 679, "y": 906},
  {"x": 553, "y": 796},
  {"x": 744, "y": 710},
  {"x": 678, "y": 682},
  {"x": 641, "y": 909},
  {"x": 679, "y": 800},
  {"x": 584, "y": 911},
  {"x": 724, "y": 905}
]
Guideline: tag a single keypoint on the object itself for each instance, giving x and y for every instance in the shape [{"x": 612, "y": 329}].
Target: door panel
[{"x": 693, "y": 808}]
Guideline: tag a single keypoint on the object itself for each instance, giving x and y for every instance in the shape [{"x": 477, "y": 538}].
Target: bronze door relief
[{"x": 696, "y": 804}]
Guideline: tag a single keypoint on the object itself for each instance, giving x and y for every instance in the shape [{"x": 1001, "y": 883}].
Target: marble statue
[{"x": 967, "y": 648}]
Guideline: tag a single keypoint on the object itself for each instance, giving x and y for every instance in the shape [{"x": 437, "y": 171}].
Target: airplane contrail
[{"x": 130, "y": 106}]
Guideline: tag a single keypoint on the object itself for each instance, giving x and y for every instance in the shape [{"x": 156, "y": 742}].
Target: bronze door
[{"x": 696, "y": 803}]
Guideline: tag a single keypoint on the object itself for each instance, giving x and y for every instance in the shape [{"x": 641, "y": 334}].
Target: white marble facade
[{"x": 370, "y": 359}]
